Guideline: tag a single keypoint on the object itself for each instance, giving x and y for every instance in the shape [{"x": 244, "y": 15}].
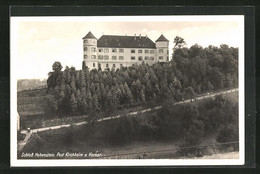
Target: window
[
  {"x": 133, "y": 64},
  {"x": 146, "y": 58},
  {"x": 106, "y": 50},
  {"x": 132, "y": 51},
  {"x": 121, "y": 50},
  {"x": 100, "y": 50},
  {"x": 152, "y": 58},
  {"x": 167, "y": 51},
  {"x": 106, "y": 57},
  {"x": 121, "y": 65},
  {"x": 94, "y": 42},
  {"x": 140, "y": 51},
  {"x": 85, "y": 48},
  {"x": 132, "y": 57},
  {"x": 114, "y": 65},
  {"x": 107, "y": 65},
  {"x": 100, "y": 57},
  {"x": 85, "y": 56},
  {"x": 146, "y": 51},
  {"x": 114, "y": 57},
  {"x": 93, "y": 57},
  {"x": 160, "y": 50},
  {"x": 85, "y": 41},
  {"x": 161, "y": 57},
  {"x": 151, "y": 51},
  {"x": 93, "y": 64},
  {"x": 114, "y": 50},
  {"x": 140, "y": 58},
  {"x": 121, "y": 57},
  {"x": 93, "y": 49},
  {"x": 99, "y": 65}
]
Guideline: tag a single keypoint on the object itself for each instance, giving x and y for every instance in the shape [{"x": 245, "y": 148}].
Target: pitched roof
[
  {"x": 162, "y": 38},
  {"x": 89, "y": 36},
  {"x": 125, "y": 41}
]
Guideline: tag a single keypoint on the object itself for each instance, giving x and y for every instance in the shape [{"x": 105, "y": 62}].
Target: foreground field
[{"x": 64, "y": 144}]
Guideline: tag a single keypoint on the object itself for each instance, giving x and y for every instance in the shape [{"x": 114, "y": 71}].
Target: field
[{"x": 133, "y": 150}]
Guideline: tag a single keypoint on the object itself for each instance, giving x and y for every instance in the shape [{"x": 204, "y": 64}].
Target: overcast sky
[{"x": 36, "y": 44}]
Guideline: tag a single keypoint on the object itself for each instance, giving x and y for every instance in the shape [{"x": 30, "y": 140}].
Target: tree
[
  {"x": 178, "y": 42},
  {"x": 142, "y": 96},
  {"x": 95, "y": 103},
  {"x": 73, "y": 104},
  {"x": 57, "y": 67},
  {"x": 192, "y": 124},
  {"x": 89, "y": 100},
  {"x": 83, "y": 106},
  {"x": 129, "y": 96},
  {"x": 189, "y": 92}
]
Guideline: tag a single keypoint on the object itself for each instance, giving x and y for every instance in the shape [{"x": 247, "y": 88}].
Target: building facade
[{"x": 110, "y": 51}]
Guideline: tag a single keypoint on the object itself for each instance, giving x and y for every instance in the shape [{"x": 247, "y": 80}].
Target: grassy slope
[{"x": 79, "y": 144}]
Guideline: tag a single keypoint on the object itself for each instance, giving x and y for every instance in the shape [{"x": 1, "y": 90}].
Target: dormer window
[
  {"x": 106, "y": 50},
  {"x": 160, "y": 50},
  {"x": 114, "y": 50}
]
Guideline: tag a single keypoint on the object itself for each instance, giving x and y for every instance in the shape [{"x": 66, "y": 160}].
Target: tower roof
[
  {"x": 162, "y": 38},
  {"x": 125, "y": 41},
  {"x": 89, "y": 36}
]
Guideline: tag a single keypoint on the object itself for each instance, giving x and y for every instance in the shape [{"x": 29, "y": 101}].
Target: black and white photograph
[{"x": 127, "y": 90}]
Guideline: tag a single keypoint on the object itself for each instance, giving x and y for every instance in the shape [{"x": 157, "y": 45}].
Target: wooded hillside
[{"x": 192, "y": 71}]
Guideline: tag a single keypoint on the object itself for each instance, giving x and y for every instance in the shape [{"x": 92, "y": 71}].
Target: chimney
[
  {"x": 140, "y": 36},
  {"x": 135, "y": 36},
  {"x": 146, "y": 36}
]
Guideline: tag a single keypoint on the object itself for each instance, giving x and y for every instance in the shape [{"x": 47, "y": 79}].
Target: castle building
[{"x": 112, "y": 51}]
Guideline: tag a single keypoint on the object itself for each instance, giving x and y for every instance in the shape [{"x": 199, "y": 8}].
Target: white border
[{"x": 148, "y": 162}]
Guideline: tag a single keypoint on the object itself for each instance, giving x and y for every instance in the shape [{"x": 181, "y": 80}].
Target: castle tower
[
  {"x": 162, "y": 49},
  {"x": 90, "y": 50}
]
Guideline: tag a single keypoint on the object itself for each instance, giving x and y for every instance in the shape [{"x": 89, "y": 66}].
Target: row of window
[
  {"x": 141, "y": 58},
  {"x": 106, "y": 57},
  {"x": 100, "y": 57},
  {"x": 107, "y": 65},
  {"x": 121, "y": 50}
]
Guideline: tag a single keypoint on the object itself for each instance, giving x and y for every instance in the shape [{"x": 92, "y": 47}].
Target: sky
[{"x": 37, "y": 42}]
